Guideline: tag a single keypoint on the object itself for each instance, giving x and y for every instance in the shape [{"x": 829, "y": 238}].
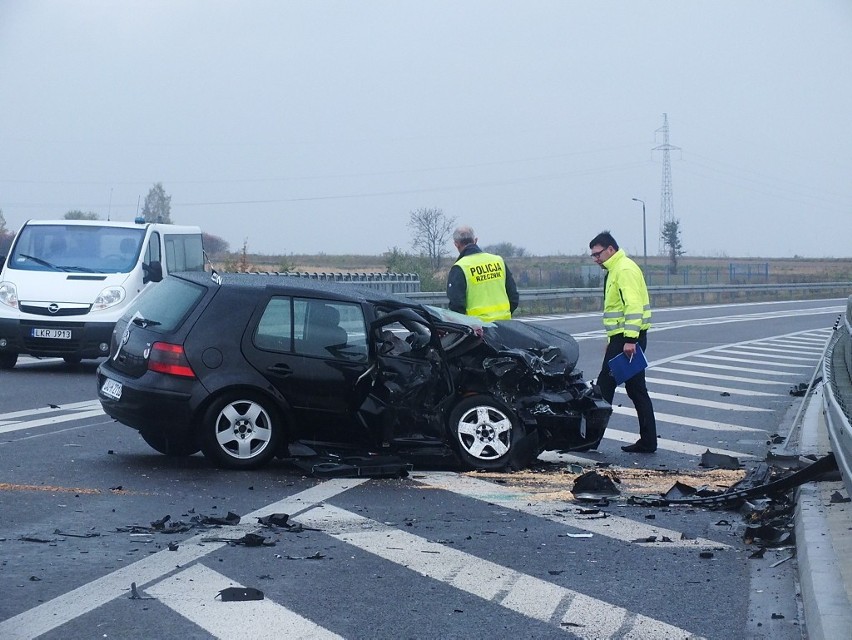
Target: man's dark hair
[{"x": 604, "y": 239}]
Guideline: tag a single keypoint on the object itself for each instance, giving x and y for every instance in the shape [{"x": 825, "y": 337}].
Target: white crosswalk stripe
[
  {"x": 188, "y": 594},
  {"x": 725, "y": 406},
  {"x": 734, "y": 391},
  {"x": 567, "y": 610},
  {"x": 614, "y": 527},
  {"x": 56, "y": 612},
  {"x": 724, "y": 358}
]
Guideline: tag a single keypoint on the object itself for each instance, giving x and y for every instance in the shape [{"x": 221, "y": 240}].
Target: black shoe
[{"x": 638, "y": 447}]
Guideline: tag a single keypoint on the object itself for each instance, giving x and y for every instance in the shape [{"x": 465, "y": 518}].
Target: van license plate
[
  {"x": 56, "y": 334},
  {"x": 111, "y": 389}
]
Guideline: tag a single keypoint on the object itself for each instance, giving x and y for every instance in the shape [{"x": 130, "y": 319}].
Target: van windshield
[{"x": 86, "y": 248}]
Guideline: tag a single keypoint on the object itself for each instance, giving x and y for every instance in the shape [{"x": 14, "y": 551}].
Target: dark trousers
[{"x": 635, "y": 387}]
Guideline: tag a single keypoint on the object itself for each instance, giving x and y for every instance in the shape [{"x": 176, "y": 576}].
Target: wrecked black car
[{"x": 242, "y": 366}]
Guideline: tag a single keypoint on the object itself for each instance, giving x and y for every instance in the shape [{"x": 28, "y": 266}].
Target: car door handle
[{"x": 280, "y": 369}]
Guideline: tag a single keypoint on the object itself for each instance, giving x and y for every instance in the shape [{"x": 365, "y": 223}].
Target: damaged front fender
[{"x": 569, "y": 414}]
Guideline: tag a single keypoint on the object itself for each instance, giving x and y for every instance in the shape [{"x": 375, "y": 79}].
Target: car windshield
[{"x": 87, "y": 248}]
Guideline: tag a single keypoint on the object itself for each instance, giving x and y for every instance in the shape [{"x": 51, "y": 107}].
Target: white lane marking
[
  {"x": 759, "y": 355},
  {"x": 713, "y": 404},
  {"x": 88, "y": 597},
  {"x": 41, "y": 422},
  {"x": 804, "y": 340},
  {"x": 191, "y": 594},
  {"x": 708, "y": 387},
  {"x": 672, "y": 445},
  {"x": 730, "y": 367},
  {"x": 719, "y": 376},
  {"x": 681, "y": 356},
  {"x": 764, "y": 350},
  {"x": 516, "y": 591},
  {"x": 657, "y": 326},
  {"x": 614, "y": 527},
  {"x": 77, "y": 406},
  {"x": 686, "y": 421},
  {"x": 708, "y": 356}
]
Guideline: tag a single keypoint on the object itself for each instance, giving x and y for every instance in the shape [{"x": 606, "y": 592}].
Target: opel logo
[
  {"x": 53, "y": 307},
  {"x": 125, "y": 336}
]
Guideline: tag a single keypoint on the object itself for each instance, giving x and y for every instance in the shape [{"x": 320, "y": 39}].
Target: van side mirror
[{"x": 152, "y": 272}]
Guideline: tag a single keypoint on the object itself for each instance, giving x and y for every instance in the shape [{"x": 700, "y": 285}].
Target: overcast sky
[{"x": 317, "y": 126}]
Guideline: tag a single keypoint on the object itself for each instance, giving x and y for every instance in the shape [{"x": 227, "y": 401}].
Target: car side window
[
  {"x": 152, "y": 251},
  {"x": 329, "y": 329},
  {"x": 275, "y": 328}
]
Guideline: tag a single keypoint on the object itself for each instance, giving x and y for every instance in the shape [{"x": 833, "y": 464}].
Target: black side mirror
[{"x": 152, "y": 272}]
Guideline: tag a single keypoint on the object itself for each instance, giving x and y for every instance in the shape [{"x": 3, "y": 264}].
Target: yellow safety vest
[
  {"x": 485, "y": 275},
  {"x": 627, "y": 306}
]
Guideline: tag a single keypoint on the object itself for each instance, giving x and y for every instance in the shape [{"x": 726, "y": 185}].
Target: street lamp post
[{"x": 644, "y": 238}]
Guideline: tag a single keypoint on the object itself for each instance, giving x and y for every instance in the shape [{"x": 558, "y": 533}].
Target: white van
[{"x": 65, "y": 283}]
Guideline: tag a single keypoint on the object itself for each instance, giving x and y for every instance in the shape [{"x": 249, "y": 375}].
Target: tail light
[{"x": 170, "y": 359}]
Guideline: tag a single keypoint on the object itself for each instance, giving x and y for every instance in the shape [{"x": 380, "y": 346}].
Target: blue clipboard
[{"x": 623, "y": 369}]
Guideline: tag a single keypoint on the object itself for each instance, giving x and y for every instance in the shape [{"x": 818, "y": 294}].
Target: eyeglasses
[{"x": 597, "y": 254}]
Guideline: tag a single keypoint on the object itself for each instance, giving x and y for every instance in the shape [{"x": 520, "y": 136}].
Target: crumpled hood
[{"x": 545, "y": 350}]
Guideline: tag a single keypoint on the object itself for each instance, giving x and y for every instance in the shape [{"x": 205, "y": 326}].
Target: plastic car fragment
[
  {"x": 712, "y": 460},
  {"x": 240, "y": 594},
  {"x": 594, "y": 486},
  {"x": 355, "y": 466}
]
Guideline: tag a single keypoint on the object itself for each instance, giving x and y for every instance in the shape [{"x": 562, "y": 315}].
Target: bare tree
[
  {"x": 6, "y": 237},
  {"x": 432, "y": 231},
  {"x": 506, "y": 250},
  {"x": 76, "y": 214},
  {"x": 214, "y": 245},
  {"x": 671, "y": 240},
  {"x": 158, "y": 205}
]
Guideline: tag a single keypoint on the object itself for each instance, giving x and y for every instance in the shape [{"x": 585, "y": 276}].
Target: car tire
[
  {"x": 8, "y": 360},
  {"x": 485, "y": 432},
  {"x": 177, "y": 447},
  {"x": 241, "y": 431},
  {"x": 72, "y": 360}
]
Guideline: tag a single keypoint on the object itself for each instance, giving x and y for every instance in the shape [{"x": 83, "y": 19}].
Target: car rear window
[{"x": 166, "y": 304}]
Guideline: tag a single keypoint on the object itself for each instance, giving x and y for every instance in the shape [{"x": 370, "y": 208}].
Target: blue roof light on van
[{"x": 139, "y": 220}]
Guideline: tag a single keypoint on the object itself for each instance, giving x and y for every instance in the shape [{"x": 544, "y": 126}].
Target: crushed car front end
[{"x": 532, "y": 370}]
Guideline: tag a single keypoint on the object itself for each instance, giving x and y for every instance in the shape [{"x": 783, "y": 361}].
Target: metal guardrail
[
  {"x": 657, "y": 293},
  {"x": 837, "y": 396},
  {"x": 404, "y": 283}
]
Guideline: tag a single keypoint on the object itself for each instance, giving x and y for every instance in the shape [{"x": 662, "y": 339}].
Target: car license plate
[
  {"x": 56, "y": 334},
  {"x": 111, "y": 389}
]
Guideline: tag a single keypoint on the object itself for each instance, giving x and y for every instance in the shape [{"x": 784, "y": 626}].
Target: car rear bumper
[{"x": 143, "y": 406}]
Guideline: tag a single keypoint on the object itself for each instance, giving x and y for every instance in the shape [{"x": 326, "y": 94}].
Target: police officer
[
  {"x": 480, "y": 284},
  {"x": 626, "y": 319}
]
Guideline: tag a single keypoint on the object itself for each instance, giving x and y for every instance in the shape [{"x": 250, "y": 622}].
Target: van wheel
[
  {"x": 175, "y": 446},
  {"x": 8, "y": 360},
  {"x": 241, "y": 431},
  {"x": 486, "y": 432}
]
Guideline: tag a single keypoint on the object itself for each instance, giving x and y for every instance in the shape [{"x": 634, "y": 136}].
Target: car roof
[
  {"x": 297, "y": 285},
  {"x": 114, "y": 224}
]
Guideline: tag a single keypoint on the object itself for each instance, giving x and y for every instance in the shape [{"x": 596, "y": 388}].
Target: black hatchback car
[{"x": 241, "y": 365}]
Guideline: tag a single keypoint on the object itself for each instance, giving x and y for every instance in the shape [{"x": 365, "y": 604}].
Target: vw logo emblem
[{"x": 53, "y": 307}]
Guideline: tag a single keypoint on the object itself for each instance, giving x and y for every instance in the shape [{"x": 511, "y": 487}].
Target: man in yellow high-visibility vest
[
  {"x": 626, "y": 319},
  {"x": 479, "y": 283}
]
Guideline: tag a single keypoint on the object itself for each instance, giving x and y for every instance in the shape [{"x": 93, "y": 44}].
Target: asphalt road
[{"x": 435, "y": 555}]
